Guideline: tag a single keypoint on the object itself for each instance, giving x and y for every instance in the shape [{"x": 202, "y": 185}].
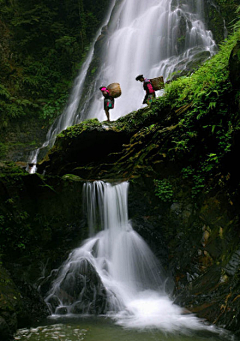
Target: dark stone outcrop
[
  {"x": 77, "y": 150},
  {"x": 82, "y": 290},
  {"x": 81, "y": 149},
  {"x": 219, "y": 17}
]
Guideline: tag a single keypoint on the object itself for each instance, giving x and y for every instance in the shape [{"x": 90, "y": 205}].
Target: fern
[{"x": 4, "y": 92}]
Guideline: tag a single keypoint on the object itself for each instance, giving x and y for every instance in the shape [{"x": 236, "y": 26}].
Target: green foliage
[
  {"x": 163, "y": 190},
  {"x": 53, "y": 108},
  {"x": 42, "y": 44},
  {"x": 14, "y": 222},
  {"x": 197, "y": 178},
  {"x": 14, "y": 106},
  {"x": 3, "y": 150},
  {"x": 236, "y": 23},
  {"x": 77, "y": 129},
  {"x": 205, "y": 116}
]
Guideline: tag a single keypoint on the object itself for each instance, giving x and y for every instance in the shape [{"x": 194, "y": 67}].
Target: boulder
[{"x": 81, "y": 290}]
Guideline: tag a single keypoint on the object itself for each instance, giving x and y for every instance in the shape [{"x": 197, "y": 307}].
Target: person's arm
[{"x": 145, "y": 87}]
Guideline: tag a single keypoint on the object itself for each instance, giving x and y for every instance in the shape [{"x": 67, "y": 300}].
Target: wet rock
[
  {"x": 191, "y": 64},
  {"x": 45, "y": 283},
  {"x": 53, "y": 302},
  {"x": 233, "y": 265},
  {"x": 83, "y": 289},
  {"x": 176, "y": 208},
  {"x": 197, "y": 60},
  {"x": 61, "y": 311}
]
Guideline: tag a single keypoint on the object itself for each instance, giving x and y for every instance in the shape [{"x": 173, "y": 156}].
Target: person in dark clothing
[
  {"x": 147, "y": 86},
  {"x": 108, "y": 101}
]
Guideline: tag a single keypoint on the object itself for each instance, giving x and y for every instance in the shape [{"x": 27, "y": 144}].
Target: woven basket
[
  {"x": 114, "y": 90},
  {"x": 157, "y": 83}
]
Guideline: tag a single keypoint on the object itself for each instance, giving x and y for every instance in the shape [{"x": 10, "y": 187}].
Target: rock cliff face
[
  {"x": 220, "y": 16},
  {"x": 190, "y": 222},
  {"x": 20, "y": 137}
]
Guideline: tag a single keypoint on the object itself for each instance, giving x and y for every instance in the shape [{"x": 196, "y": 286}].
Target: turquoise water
[{"x": 104, "y": 329}]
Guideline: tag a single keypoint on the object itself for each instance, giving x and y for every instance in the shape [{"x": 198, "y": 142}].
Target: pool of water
[{"x": 104, "y": 329}]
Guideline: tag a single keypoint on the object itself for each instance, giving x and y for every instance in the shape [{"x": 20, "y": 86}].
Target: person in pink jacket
[
  {"x": 108, "y": 101},
  {"x": 147, "y": 86}
]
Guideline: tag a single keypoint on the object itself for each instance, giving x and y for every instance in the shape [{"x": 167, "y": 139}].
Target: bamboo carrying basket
[
  {"x": 157, "y": 83},
  {"x": 114, "y": 90}
]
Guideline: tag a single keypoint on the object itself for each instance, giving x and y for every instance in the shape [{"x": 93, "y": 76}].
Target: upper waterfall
[{"x": 149, "y": 37}]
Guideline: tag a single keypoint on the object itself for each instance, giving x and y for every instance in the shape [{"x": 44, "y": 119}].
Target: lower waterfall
[{"x": 114, "y": 272}]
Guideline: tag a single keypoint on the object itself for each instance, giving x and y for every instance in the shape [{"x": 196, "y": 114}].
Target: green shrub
[{"x": 163, "y": 190}]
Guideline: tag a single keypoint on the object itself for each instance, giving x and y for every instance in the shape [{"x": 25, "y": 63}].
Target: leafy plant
[
  {"x": 163, "y": 190},
  {"x": 42, "y": 45}
]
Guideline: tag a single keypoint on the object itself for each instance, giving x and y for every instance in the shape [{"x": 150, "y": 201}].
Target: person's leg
[
  {"x": 107, "y": 114},
  {"x": 150, "y": 98}
]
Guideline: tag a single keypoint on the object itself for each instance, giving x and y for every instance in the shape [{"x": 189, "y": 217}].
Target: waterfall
[
  {"x": 149, "y": 37},
  {"x": 114, "y": 272}
]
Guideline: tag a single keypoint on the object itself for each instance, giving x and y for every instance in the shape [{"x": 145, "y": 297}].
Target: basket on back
[
  {"x": 114, "y": 90},
  {"x": 157, "y": 83}
]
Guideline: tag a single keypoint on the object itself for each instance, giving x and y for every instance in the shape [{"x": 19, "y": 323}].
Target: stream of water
[{"x": 112, "y": 287}]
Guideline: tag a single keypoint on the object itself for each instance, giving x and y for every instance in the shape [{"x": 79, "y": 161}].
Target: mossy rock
[{"x": 71, "y": 177}]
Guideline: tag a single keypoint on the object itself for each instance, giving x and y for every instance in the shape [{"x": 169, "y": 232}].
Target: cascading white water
[
  {"x": 149, "y": 37},
  {"x": 114, "y": 272},
  {"x": 143, "y": 38}
]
